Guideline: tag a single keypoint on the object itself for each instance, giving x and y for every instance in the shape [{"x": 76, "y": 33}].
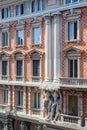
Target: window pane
[
  {"x": 27, "y": 7},
  {"x": 68, "y": 1},
  {"x": 4, "y": 39},
  {"x": 19, "y": 68},
  {"x": 35, "y": 101},
  {"x": 6, "y": 12},
  {"x": 5, "y": 97},
  {"x": 70, "y": 68},
  {"x": 43, "y": 4},
  {"x": 36, "y": 68},
  {"x": 17, "y": 10},
  {"x": 36, "y": 35},
  {"x": 20, "y": 37},
  {"x": 38, "y": 100},
  {"x": 33, "y": 6},
  {"x": 4, "y": 67},
  {"x": 75, "y": 30},
  {"x": 75, "y": 68},
  {"x": 39, "y": 5},
  {"x": 20, "y": 98},
  {"x": 2, "y": 13},
  {"x": 75, "y": 0},
  {"x": 73, "y": 105},
  {"x": 71, "y": 31},
  {"x": 22, "y": 8}
]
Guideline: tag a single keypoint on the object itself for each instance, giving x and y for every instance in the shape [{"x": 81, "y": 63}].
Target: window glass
[
  {"x": 5, "y": 13},
  {"x": 73, "y": 68},
  {"x": 36, "y": 100},
  {"x": 36, "y": 35},
  {"x": 20, "y": 37},
  {"x": 20, "y": 98},
  {"x": 4, "y": 67},
  {"x": 68, "y": 1},
  {"x": 5, "y": 97},
  {"x": 72, "y": 30},
  {"x": 73, "y": 105},
  {"x": 19, "y": 67},
  {"x": 36, "y": 68},
  {"x": 17, "y": 10},
  {"x": 4, "y": 39}
]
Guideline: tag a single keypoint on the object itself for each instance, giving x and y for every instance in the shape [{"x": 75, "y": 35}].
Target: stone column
[
  {"x": 57, "y": 46},
  {"x": 47, "y": 48}
]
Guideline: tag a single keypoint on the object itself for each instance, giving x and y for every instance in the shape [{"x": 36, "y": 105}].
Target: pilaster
[
  {"x": 57, "y": 46},
  {"x": 47, "y": 48}
]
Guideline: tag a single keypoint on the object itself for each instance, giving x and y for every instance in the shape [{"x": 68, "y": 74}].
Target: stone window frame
[
  {"x": 36, "y": 9},
  {"x": 70, "y": 2},
  {"x": 19, "y": 4},
  {"x": 4, "y": 30},
  {"x": 21, "y": 78},
  {"x": 4, "y": 57},
  {"x": 35, "y": 25},
  {"x": 38, "y": 57},
  {"x": 19, "y": 26},
  {"x": 66, "y": 95},
  {"x": 32, "y": 108},
  {"x": 71, "y": 18},
  {"x": 5, "y": 12},
  {"x": 2, "y": 89},
  {"x": 72, "y": 56}
]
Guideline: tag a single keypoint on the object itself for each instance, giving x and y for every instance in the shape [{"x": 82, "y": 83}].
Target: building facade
[{"x": 43, "y": 78}]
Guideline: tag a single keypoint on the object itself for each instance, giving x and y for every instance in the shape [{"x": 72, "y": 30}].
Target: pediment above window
[
  {"x": 72, "y": 14},
  {"x": 72, "y": 52},
  {"x": 36, "y": 20},
  {"x": 4, "y": 55},
  {"x": 35, "y": 54},
  {"x": 19, "y": 54}
]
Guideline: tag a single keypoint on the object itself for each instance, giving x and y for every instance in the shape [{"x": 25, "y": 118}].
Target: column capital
[{"x": 47, "y": 18}]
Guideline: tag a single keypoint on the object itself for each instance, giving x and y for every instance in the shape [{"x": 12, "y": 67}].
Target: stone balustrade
[
  {"x": 75, "y": 82},
  {"x": 71, "y": 119}
]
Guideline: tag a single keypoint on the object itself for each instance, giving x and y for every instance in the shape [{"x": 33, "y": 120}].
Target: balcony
[
  {"x": 71, "y": 119},
  {"x": 72, "y": 82}
]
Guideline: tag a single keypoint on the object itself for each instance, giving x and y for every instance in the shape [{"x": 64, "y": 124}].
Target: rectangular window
[
  {"x": 20, "y": 98},
  {"x": 72, "y": 30},
  {"x": 36, "y": 35},
  {"x": 19, "y": 64},
  {"x": 4, "y": 39},
  {"x": 4, "y": 67},
  {"x": 5, "y": 97},
  {"x": 20, "y": 37},
  {"x": 70, "y": 1},
  {"x": 5, "y": 13},
  {"x": 36, "y": 68},
  {"x": 19, "y": 9},
  {"x": 73, "y": 68},
  {"x": 33, "y": 6},
  {"x": 37, "y": 127},
  {"x": 73, "y": 105},
  {"x": 21, "y": 125},
  {"x": 37, "y": 100},
  {"x": 37, "y": 5}
]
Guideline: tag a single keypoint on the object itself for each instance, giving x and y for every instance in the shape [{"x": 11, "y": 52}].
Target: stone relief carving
[{"x": 52, "y": 105}]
